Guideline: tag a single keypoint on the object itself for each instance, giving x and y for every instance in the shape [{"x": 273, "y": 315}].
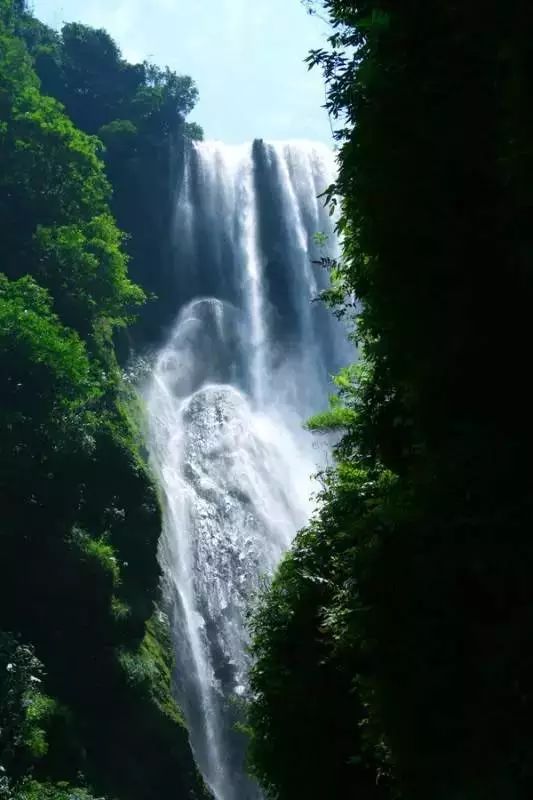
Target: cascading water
[{"x": 248, "y": 359}]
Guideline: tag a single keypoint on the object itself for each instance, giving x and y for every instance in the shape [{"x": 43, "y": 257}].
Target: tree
[
  {"x": 421, "y": 540},
  {"x": 80, "y": 515},
  {"x": 23, "y": 707},
  {"x": 138, "y": 111}
]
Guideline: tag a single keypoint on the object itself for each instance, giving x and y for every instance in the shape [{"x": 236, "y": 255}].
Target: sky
[{"x": 246, "y": 57}]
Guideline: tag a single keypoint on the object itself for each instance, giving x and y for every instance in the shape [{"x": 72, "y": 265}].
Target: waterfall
[{"x": 249, "y": 357}]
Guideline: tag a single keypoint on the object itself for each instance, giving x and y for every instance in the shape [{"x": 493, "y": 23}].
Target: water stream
[{"x": 249, "y": 358}]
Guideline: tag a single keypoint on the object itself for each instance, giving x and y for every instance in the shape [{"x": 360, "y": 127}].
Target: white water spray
[{"x": 249, "y": 358}]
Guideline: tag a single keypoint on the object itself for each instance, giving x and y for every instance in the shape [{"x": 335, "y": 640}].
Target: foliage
[
  {"x": 151, "y": 666},
  {"x": 138, "y": 111},
  {"x": 98, "y": 284},
  {"x": 80, "y": 516},
  {"x": 411, "y": 584},
  {"x": 31, "y": 790},
  {"x": 53, "y": 201},
  {"x": 23, "y": 707},
  {"x": 42, "y": 361}
]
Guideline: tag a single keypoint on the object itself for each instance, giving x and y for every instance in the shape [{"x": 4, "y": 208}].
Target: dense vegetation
[
  {"x": 138, "y": 111},
  {"x": 394, "y": 650},
  {"x": 85, "y": 664}
]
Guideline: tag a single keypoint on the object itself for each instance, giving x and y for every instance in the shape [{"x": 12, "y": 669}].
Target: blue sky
[{"x": 246, "y": 57}]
